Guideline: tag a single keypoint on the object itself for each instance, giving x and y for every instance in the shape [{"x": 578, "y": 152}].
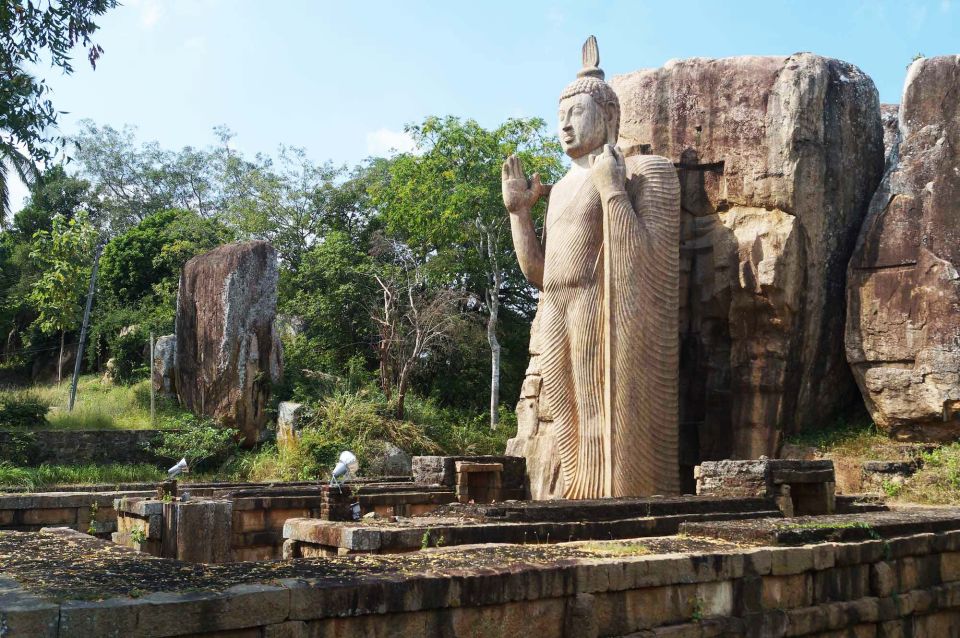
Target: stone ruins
[{"x": 761, "y": 213}]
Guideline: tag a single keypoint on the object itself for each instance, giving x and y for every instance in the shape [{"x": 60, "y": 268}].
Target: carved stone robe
[{"x": 610, "y": 362}]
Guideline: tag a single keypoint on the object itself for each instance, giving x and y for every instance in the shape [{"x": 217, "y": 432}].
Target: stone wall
[
  {"x": 908, "y": 586},
  {"x": 89, "y": 512},
  {"x": 71, "y": 447}
]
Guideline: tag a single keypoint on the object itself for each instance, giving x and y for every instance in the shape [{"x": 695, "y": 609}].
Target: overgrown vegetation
[
  {"x": 202, "y": 442},
  {"x": 22, "y": 409},
  {"x": 101, "y": 405},
  {"x": 937, "y": 481}
]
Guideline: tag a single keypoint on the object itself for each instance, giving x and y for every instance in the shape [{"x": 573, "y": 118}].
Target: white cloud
[{"x": 384, "y": 142}]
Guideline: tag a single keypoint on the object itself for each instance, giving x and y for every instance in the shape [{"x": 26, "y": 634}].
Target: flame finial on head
[
  {"x": 590, "y": 77},
  {"x": 591, "y": 60}
]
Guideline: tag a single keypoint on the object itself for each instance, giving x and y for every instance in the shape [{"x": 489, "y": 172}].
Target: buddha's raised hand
[{"x": 519, "y": 194}]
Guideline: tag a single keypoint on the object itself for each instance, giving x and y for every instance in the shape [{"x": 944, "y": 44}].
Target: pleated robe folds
[{"x": 610, "y": 365}]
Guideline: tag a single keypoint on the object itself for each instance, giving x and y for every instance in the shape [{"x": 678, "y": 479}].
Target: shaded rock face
[
  {"x": 164, "y": 365},
  {"x": 227, "y": 353},
  {"x": 903, "y": 319},
  {"x": 890, "y": 118},
  {"x": 777, "y": 159}
]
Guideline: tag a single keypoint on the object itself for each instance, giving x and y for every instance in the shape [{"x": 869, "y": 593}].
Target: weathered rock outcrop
[
  {"x": 227, "y": 350},
  {"x": 903, "y": 315},
  {"x": 164, "y": 365},
  {"x": 777, "y": 159}
]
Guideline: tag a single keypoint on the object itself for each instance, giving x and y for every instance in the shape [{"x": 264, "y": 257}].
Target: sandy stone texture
[{"x": 903, "y": 296}]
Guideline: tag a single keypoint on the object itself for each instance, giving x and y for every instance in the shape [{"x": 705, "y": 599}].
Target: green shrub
[
  {"x": 127, "y": 352},
  {"x": 18, "y": 449},
  {"x": 22, "y": 410},
  {"x": 199, "y": 440}
]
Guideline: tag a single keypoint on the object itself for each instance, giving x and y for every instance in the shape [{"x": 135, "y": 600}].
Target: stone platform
[
  {"x": 65, "y": 584},
  {"x": 247, "y": 523},
  {"x": 516, "y": 522}
]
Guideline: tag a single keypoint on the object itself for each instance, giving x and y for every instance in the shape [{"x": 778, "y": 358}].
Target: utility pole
[
  {"x": 83, "y": 327},
  {"x": 153, "y": 390}
]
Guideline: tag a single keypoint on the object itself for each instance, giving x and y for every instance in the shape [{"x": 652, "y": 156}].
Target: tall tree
[
  {"x": 32, "y": 31},
  {"x": 65, "y": 255},
  {"x": 444, "y": 200},
  {"x": 414, "y": 318}
]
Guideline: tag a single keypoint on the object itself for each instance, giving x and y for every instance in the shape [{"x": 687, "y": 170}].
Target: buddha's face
[{"x": 583, "y": 128}]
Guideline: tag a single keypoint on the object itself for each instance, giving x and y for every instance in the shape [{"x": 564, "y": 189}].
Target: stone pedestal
[
  {"x": 479, "y": 482},
  {"x": 198, "y": 531},
  {"x": 800, "y": 488}
]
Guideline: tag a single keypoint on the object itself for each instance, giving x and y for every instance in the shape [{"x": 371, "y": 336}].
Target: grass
[
  {"x": 34, "y": 478},
  {"x": 937, "y": 482},
  {"x": 100, "y": 405},
  {"x": 625, "y": 548},
  {"x": 360, "y": 421},
  {"x": 856, "y": 438}
]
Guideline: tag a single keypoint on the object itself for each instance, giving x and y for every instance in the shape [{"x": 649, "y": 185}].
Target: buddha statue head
[{"x": 589, "y": 109}]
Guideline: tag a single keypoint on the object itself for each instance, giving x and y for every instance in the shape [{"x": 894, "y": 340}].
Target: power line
[{"x": 8, "y": 353}]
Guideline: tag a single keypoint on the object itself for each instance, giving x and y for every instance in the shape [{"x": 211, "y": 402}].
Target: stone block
[
  {"x": 915, "y": 545},
  {"x": 360, "y": 539},
  {"x": 950, "y": 567},
  {"x": 111, "y": 618},
  {"x": 250, "y": 520},
  {"x": 757, "y": 562},
  {"x": 58, "y": 516},
  {"x": 290, "y": 629},
  {"x": 23, "y": 614},
  {"x": 883, "y": 579},
  {"x": 198, "y": 531},
  {"x": 790, "y": 560},
  {"x": 239, "y": 607},
  {"x": 787, "y": 592},
  {"x": 289, "y": 422}
]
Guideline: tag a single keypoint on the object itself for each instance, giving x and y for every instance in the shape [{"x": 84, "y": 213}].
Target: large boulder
[
  {"x": 227, "y": 353},
  {"x": 777, "y": 159},
  {"x": 903, "y": 320},
  {"x": 164, "y": 366}
]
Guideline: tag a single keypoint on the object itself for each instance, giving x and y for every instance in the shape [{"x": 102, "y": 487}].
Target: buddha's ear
[{"x": 611, "y": 119}]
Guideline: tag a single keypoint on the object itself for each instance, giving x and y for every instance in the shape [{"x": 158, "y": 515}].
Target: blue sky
[{"x": 342, "y": 78}]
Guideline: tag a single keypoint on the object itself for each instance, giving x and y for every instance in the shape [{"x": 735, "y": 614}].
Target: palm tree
[{"x": 25, "y": 169}]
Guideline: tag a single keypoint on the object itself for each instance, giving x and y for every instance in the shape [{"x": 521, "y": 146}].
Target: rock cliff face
[
  {"x": 227, "y": 353},
  {"x": 777, "y": 159},
  {"x": 903, "y": 315}
]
